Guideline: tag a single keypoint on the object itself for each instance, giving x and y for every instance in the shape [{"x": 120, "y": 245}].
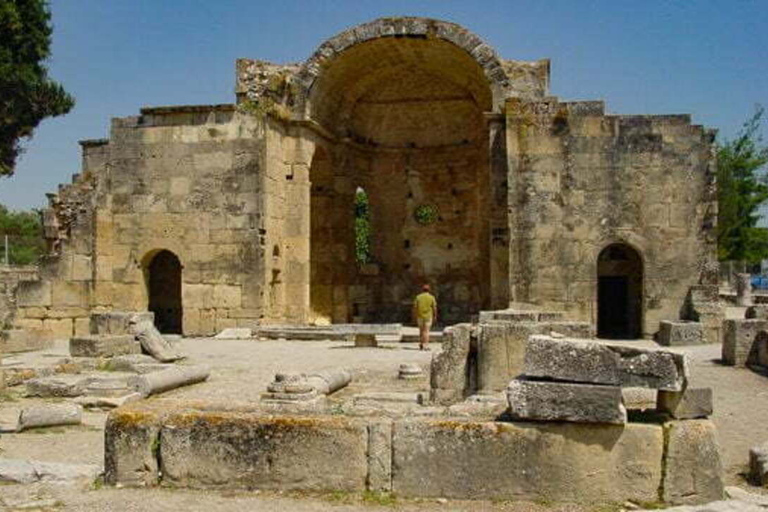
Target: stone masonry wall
[{"x": 580, "y": 180}]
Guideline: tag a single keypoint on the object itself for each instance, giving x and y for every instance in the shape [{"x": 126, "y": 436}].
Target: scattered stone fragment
[
  {"x": 153, "y": 343},
  {"x": 106, "y": 403},
  {"x": 135, "y": 363},
  {"x": 758, "y": 464},
  {"x": 32, "y": 471},
  {"x": 689, "y": 404},
  {"x": 235, "y": 333},
  {"x": 366, "y": 340},
  {"x": 409, "y": 371},
  {"x": 49, "y": 416},
  {"x": 680, "y": 333},
  {"x": 56, "y": 387},
  {"x": 104, "y": 345},
  {"x": 329, "y": 381},
  {"x": 108, "y": 387},
  {"x": 559, "y": 401},
  {"x": 117, "y": 322},
  {"x": 171, "y": 378}
]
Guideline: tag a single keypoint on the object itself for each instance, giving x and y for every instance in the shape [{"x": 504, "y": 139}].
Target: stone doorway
[
  {"x": 164, "y": 284},
  {"x": 619, "y": 293}
]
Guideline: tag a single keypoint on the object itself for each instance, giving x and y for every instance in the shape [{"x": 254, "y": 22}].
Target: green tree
[
  {"x": 27, "y": 95},
  {"x": 742, "y": 188},
  {"x": 25, "y": 236}
]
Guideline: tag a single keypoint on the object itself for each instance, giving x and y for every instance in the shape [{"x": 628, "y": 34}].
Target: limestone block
[
  {"x": 571, "y": 361},
  {"x": 379, "y": 456},
  {"x": 759, "y": 312},
  {"x": 104, "y": 346},
  {"x": 525, "y": 461},
  {"x": 680, "y": 333},
  {"x": 34, "y": 293},
  {"x": 152, "y": 341},
  {"x": 170, "y": 378},
  {"x": 693, "y": 470},
  {"x": 59, "y": 329},
  {"x": 242, "y": 450},
  {"x": 655, "y": 369},
  {"x": 56, "y": 387},
  {"x": 131, "y": 444},
  {"x": 559, "y": 401},
  {"x": 32, "y": 471},
  {"x": 67, "y": 293},
  {"x": 743, "y": 290},
  {"x": 689, "y": 404},
  {"x": 21, "y": 340},
  {"x": 234, "y": 333},
  {"x": 117, "y": 322},
  {"x": 739, "y": 339},
  {"x": 49, "y": 415},
  {"x": 81, "y": 268},
  {"x": 500, "y": 354},
  {"x": 448, "y": 372},
  {"x": 758, "y": 465},
  {"x": 365, "y": 340},
  {"x": 227, "y": 296},
  {"x": 82, "y": 326}
]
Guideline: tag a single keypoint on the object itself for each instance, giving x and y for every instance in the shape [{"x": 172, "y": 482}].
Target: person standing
[{"x": 424, "y": 313}]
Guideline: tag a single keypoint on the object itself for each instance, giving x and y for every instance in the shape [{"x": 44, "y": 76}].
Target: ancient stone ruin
[
  {"x": 479, "y": 181},
  {"x": 543, "y": 225}
]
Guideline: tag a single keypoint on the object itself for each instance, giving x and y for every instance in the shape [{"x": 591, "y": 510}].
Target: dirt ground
[{"x": 241, "y": 370}]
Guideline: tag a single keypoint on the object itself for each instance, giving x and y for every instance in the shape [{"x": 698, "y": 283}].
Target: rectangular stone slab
[
  {"x": 680, "y": 333},
  {"x": 689, "y": 404},
  {"x": 571, "y": 361},
  {"x": 104, "y": 346},
  {"x": 656, "y": 369},
  {"x": 527, "y": 461},
  {"x": 693, "y": 471},
  {"x": 245, "y": 451},
  {"x": 559, "y": 401}
]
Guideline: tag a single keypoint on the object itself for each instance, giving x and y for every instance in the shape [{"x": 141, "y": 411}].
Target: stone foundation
[{"x": 204, "y": 445}]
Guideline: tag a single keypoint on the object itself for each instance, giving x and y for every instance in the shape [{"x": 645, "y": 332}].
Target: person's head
[{"x": 425, "y": 287}]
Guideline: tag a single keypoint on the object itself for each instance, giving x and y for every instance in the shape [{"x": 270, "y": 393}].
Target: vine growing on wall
[{"x": 362, "y": 228}]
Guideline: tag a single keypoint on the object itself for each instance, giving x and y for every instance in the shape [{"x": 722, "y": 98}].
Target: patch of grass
[
  {"x": 8, "y": 396},
  {"x": 98, "y": 484},
  {"x": 338, "y": 497},
  {"x": 381, "y": 498}
]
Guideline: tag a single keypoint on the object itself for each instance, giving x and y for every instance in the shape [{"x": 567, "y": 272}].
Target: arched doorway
[
  {"x": 619, "y": 292},
  {"x": 164, "y": 284},
  {"x": 408, "y": 117}
]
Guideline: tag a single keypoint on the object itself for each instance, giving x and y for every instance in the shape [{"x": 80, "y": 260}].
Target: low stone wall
[{"x": 204, "y": 445}]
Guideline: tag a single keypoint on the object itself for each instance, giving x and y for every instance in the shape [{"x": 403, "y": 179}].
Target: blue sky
[{"x": 702, "y": 57}]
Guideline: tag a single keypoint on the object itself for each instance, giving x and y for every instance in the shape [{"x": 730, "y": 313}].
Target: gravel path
[{"x": 241, "y": 369}]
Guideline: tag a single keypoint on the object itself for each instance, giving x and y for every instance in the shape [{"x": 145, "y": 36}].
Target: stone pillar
[{"x": 743, "y": 290}]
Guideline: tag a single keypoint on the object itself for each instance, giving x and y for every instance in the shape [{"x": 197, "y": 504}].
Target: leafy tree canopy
[
  {"x": 742, "y": 188},
  {"x": 25, "y": 237},
  {"x": 27, "y": 95}
]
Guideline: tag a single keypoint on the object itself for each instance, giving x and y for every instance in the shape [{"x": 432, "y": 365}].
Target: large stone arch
[{"x": 458, "y": 37}]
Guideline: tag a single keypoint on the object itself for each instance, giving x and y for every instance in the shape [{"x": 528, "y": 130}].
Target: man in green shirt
[{"x": 424, "y": 313}]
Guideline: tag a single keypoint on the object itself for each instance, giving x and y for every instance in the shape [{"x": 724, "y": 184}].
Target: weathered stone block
[
  {"x": 131, "y": 445},
  {"x": 758, "y": 312},
  {"x": 104, "y": 346},
  {"x": 449, "y": 371},
  {"x": 739, "y": 340},
  {"x": 693, "y": 470},
  {"x": 558, "y": 401},
  {"x": 758, "y": 465},
  {"x": 56, "y": 387},
  {"x": 240, "y": 450},
  {"x": 571, "y": 361},
  {"x": 22, "y": 340},
  {"x": 118, "y": 322},
  {"x": 379, "y": 456},
  {"x": 689, "y": 404},
  {"x": 681, "y": 333},
  {"x": 656, "y": 369},
  {"x": 524, "y": 461},
  {"x": 365, "y": 340}
]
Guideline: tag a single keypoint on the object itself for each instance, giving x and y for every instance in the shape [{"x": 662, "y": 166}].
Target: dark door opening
[
  {"x": 619, "y": 293},
  {"x": 165, "y": 292}
]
